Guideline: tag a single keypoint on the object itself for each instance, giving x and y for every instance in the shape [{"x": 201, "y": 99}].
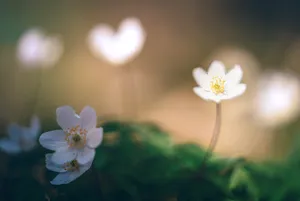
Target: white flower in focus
[
  {"x": 216, "y": 85},
  {"x": 21, "y": 138},
  {"x": 78, "y": 138},
  {"x": 68, "y": 171}
]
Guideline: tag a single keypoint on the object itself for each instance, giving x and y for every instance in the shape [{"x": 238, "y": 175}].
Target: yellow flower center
[
  {"x": 217, "y": 85},
  {"x": 72, "y": 166},
  {"x": 76, "y": 137}
]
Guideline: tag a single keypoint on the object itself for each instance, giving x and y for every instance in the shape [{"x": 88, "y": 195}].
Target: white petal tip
[
  {"x": 238, "y": 67},
  {"x": 195, "y": 70},
  {"x": 55, "y": 183},
  {"x": 216, "y": 68},
  {"x": 218, "y": 62}
]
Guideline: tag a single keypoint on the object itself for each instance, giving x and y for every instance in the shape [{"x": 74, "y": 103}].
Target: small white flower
[
  {"x": 120, "y": 46},
  {"x": 38, "y": 49},
  {"x": 216, "y": 85},
  {"x": 277, "y": 99},
  {"x": 78, "y": 138},
  {"x": 21, "y": 138},
  {"x": 68, "y": 171}
]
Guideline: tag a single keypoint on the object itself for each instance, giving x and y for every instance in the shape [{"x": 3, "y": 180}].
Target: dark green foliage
[{"x": 139, "y": 162}]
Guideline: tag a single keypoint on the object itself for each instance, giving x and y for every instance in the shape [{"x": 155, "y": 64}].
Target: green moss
[{"x": 139, "y": 162}]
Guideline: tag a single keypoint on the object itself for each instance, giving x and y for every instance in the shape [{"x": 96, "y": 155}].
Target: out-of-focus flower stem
[
  {"x": 37, "y": 93},
  {"x": 129, "y": 99}
]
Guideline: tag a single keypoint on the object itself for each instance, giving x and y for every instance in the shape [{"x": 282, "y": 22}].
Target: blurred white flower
[
  {"x": 21, "y": 138},
  {"x": 36, "y": 49},
  {"x": 68, "y": 171},
  {"x": 120, "y": 46},
  {"x": 277, "y": 98},
  {"x": 78, "y": 138},
  {"x": 216, "y": 85}
]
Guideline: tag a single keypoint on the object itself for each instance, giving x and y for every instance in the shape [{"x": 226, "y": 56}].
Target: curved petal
[
  {"x": 88, "y": 118},
  {"x": 202, "y": 93},
  {"x": 216, "y": 68},
  {"x": 201, "y": 78},
  {"x": 14, "y": 131},
  {"x": 10, "y": 146},
  {"x": 52, "y": 166},
  {"x": 66, "y": 117},
  {"x": 85, "y": 167},
  {"x": 234, "y": 76},
  {"x": 207, "y": 95},
  {"x": 65, "y": 178},
  {"x": 94, "y": 137},
  {"x": 216, "y": 98},
  {"x": 64, "y": 155},
  {"x": 53, "y": 140},
  {"x": 235, "y": 91},
  {"x": 85, "y": 155}
]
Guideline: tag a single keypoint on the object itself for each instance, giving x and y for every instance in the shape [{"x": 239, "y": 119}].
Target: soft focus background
[{"x": 156, "y": 84}]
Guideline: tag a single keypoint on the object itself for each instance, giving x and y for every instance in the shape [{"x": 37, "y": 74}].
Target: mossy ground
[{"x": 139, "y": 162}]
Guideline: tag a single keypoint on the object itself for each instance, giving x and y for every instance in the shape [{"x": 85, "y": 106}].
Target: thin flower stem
[
  {"x": 37, "y": 93},
  {"x": 129, "y": 102},
  {"x": 215, "y": 137}
]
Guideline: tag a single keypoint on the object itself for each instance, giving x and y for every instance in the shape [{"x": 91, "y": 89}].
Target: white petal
[
  {"x": 235, "y": 91},
  {"x": 88, "y": 118},
  {"x": 64, "y": 155},
  {"x": 66, "y": 117},
  {"x": 216, "y": 98},
  {"x": 85, "y": 167},
  {"x": 14, "y": 131},
  {"x": 52, "y": 166},
  {"x": 94, "y": 137},
  {"x": 201, "y": 78},
  {"x": 202, "y": 93},
  {"x": 65, "y": 178},
  {"x": 207, "y": 95},
  {"x": 234, "y": 76},
  {"x": 216, "y": 68},
  {"x": 10, "y": 146},
  {"x": 85, "y": 155},
  {"x": 53, "y": 140},
  {"x": 35, "y": 126}
]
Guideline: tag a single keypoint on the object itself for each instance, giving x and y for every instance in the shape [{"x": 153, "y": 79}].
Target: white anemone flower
[
  {"x": 21, "y": 138},
  {"x": 216, "y": 85},
  {"x": 68, "y": 171},
  {"x": 78, "y": 138}
]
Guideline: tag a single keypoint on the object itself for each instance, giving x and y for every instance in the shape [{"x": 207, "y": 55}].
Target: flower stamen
[
  {"x": 76, "y": 137},
  {"x": 72, "y": 166},
  {"x": 217, "y": 85}
]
